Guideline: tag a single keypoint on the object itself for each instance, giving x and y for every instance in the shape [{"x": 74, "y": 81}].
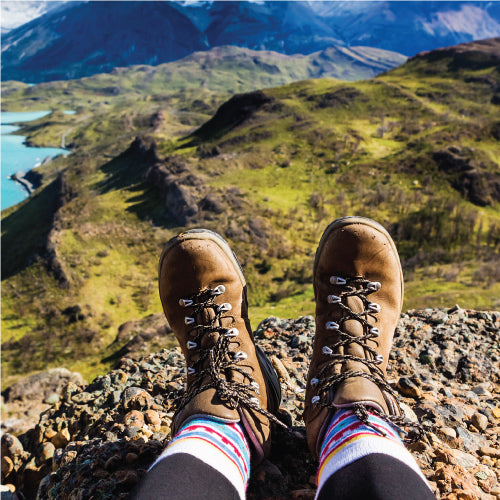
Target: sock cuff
[
  {"x": 344, "y": 426},
  {"x": 347, "y": 439},
  {"x": 358, "y": 446},
  {"x": 223, "y": 446}
]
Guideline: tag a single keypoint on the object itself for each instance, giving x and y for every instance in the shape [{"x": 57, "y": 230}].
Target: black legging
[{"x": 374, "y": 477}]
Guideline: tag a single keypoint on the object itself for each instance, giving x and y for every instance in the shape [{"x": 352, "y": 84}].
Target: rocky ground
[{"x": 97, "y": 441}]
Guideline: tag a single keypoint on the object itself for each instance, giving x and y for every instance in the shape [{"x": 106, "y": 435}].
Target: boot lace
[
  {"x": 329, "y": 378},
  {"x": 216, "y": 363}
]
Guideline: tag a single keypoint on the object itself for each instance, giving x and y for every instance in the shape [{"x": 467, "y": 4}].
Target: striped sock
[
  {"x": 223, "y": 446},
  {"x": 347, "y": 440}
]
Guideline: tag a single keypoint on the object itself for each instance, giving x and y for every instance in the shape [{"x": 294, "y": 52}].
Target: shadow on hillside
[
  {"x": 233, "y": 113},
  {"x": 123, "y": 174},
  {"x": 25, "y": 231},
  {"x": 127, "y": 173}
]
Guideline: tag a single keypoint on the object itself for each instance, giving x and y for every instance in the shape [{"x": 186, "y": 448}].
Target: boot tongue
[
  {"x": 358, "y": 389},
  {"x": 205, "y": 317},
  {"x": 355, "y": 329}
]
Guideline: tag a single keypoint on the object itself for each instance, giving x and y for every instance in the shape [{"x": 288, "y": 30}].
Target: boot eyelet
[
  {"x": 225, "y": 307},
  {"x": 314, "y": 381},
  {"x": 331, "y": 325},
  {"x": 185, "y": 302},
  {"x": 374, "y": 307},
  {"x": 218, "y": 290},
  {"x": 191, "y": 344},
  {"x": 337, "y": 280},
  {"x": 232, "y": 332},
  {"x": 256, "y": 387},
  {"x": 375, "y": 332},
  {"x": 189, "y": 321},
  {"x": 191, "y": 370},
  {"x": 374, "y": 286},
  {"x": 240, "y": 355},
  {"x": 326, "y": 350},
  {"x": 333, "y": 299},
  {"x": 315, "y": 399}
]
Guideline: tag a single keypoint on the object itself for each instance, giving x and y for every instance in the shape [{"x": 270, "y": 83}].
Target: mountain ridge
[{"x": 88, "y": 38}]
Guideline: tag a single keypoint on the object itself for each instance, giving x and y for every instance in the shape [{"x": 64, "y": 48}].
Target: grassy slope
[{"x": 322, "y": 149}]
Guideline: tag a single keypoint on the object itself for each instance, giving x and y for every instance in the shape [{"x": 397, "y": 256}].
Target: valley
[{"x": 266, "y": 163}]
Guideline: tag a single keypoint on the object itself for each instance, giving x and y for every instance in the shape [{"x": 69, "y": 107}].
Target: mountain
[
  {"x": 94, "y": 37},
  {"x": 80, "y": 39},
  {"x": 415, "y": 148},
  {"x": 222, "y": 69},
  {"x": 18, "y": 12},
  {"x": 410, "y": 26}
]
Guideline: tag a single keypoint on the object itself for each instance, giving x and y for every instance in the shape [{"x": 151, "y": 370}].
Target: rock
[
  {"x": 32, "y": 477},
  {"x": 27, "y": 398},
  {"x": 52, "y": 399},
  {"x": 464, "y": 459},
  {"x": 407, "y": 387},
  {"x": 180, "y": 198},
  {"x": 446, "y": 392},
  {"x": 50, "y": 434},
  {"x": 82, "y": 398},
  {"x": 455, "y": 480},
  {"x": 489, "y": 451},
  {"x": 496, "y": 412},
  {"x": 486, "y": 478},
  {"x": 135, "y": 418},
  {"x": 481, "y": 390},
  {"x": 447, "y": 432},
  {"x": 131, "y": 458},
  {"x": 113, "y": 462},
  {"x": 152, "y": 419},
  {"x": 135, "y": 398},
  {"x": 7, "y": 466},
  {"x": 281, "y": 370},
  {"x": 61, "y": 439},
  {"x": 126, "y": 479},
  {"x": 480, "y": 421},
  {"x": 11, "y": 446},
  {"x": 408, "y": 412},
  {"x": 131, "y": 431},
  {"x": 46, "y": 451},
  {"x": 470, "y": 442},
  {"x": 41, "y": 385}
]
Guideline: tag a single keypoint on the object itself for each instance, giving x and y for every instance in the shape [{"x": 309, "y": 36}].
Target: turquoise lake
[{"x": 16, "y": 157}]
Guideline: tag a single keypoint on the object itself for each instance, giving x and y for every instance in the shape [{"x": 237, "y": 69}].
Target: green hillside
[{"x": 416, "y": 149}]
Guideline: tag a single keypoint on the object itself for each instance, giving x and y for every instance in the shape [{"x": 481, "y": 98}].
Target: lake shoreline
[
  {"x": 21, "y": 157},
  {"x": 20, "y": 178}
]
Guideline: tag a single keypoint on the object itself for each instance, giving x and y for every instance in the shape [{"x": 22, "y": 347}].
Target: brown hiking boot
[
  {"x": 229, "y": 378},
  {"x": 358, "y": 287}
]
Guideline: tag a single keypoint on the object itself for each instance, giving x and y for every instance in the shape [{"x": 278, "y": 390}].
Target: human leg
[
  {"x": 231, "y": 384},
  {"x": 358, "y": 462},
  {"x": 206, "y": 459}
]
